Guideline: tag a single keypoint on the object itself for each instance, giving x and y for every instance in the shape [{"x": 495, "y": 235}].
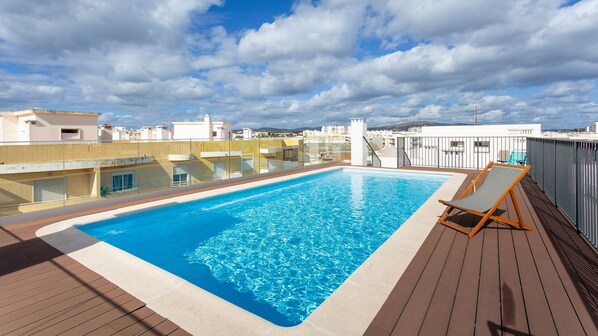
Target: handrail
[
  {"x": 565, "y": 171},
  {"x": 403, "y": 160},
  {"x": 378, "y": 162}
]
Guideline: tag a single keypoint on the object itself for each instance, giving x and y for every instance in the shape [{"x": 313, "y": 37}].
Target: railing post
[
  {"x": 544, "y": 172},
  {"x": 477, "y": 158},
  {"x": 576, "y": 170},
  {"x": 556, "y": 202},
  {"x": 438, "y": 152}
]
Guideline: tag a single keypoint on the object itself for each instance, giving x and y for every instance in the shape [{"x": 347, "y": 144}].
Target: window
[
  {"x": 289, "y": 154},
  {"x": 458, "y": 144},
  {"x": 123, "y": 181},
  {"x": 70, "y": 134},
  {"x": 481, "y": 146},
  {"x": 214, "y": 133},
  {"x": 180, "y": 175},
  {"x": 247, "y": 164},
  {"x": 416, "y": 142},
  {"x": 48, "y": 190}
]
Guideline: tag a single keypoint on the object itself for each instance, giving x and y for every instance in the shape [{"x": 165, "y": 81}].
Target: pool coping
[{"x": 348, "y": 310}]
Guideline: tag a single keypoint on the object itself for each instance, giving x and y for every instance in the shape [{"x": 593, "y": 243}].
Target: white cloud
[
  {"x": 324, "y": 61},
  {"x": 325, "y": 29}
]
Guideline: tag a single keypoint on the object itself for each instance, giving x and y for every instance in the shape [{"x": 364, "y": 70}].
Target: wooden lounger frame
[{"x": 489, "y": 214}]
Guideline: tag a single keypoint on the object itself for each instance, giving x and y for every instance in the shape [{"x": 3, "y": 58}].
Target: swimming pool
[
  {"x": 278, "y": 250},
  {"x": 347, "y": 311}
]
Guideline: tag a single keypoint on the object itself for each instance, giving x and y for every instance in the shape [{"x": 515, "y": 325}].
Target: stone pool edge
[{"x": 349, "y": 310}]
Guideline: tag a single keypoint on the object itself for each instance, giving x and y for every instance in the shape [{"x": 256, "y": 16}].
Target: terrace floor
[{"x": 502, "y": 281}]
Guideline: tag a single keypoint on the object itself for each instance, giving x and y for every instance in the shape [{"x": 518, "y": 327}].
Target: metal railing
[
  {"x": 567, "y": 171},
  {"x": 373, "y": 159},
  {"x": 403, "y": 159},
  {"x": 465, "y": 152}
]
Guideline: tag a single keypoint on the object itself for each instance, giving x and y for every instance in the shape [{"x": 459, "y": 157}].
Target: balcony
[
  {"x": 216, "y": 154},
  {"x": 36, "y": 167}
]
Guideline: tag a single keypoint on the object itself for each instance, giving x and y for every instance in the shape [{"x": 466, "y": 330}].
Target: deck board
[
  {"x": 513, "y": 309},
  {"x": 398, "y": 297},
  {"x": 488, "y": 312},
  {"x": 423, "y": 292},
  {"x": 438, "y": 316}
]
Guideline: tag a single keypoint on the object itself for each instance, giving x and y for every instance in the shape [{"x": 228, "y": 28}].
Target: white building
[
  {"x": 205, "y": 130},
  {"x": 105, "y": 132},
  {"x": 48, "y": 125},
  {"x": 483, "y": 130},
  {"x": 159, "y": 132},
  {"x": 121, "y": 133},
  {"x": 328, "y": 131},
  {"x": 247, "y": 134},
  {"x": 336, "y": 130}
]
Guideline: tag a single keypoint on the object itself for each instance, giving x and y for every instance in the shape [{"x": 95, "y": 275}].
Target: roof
[{"x": 44, "y": 111}]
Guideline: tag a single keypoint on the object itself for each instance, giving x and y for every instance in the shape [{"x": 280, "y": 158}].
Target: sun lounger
[{"x": 482, "y": 198}]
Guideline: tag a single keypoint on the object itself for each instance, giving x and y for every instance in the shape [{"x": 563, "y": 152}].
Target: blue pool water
[{"x": 278, "y": 250}]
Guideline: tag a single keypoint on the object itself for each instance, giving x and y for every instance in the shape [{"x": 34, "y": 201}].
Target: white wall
[
  {"x": 202, "y": 129},
  {"x": 8, "y": 128},
  {"x": 483, "y": 130},
  {"x": 188, "y": 130},
  {"x": 53, "y": 123}
]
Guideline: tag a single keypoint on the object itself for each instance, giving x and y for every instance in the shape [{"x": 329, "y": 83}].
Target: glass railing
[
  {"x": 41, "y": 175},
  {"x": 325, "y": 150}
]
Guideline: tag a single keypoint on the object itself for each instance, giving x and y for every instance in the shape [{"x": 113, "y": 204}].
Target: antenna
[{"x": 475, "y": 119}]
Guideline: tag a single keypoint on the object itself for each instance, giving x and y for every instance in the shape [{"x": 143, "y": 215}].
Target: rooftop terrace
[{"x": 542, "y": 282}]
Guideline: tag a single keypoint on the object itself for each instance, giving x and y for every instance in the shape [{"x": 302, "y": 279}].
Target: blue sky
[
  {"x": 238, "y": 15},
  {"x": 303, "y": 63}
]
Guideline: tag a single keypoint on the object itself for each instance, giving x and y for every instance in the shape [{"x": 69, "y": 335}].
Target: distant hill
[
  {"x": 281, "y": 130},
  {"x": 398, "y": 127},
  {"x": 407, "y": 125}
]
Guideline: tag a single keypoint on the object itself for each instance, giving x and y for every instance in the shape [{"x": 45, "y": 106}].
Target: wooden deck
[
  {"x": 43, "y": 292},
  {"x": 502, "y": 281}
]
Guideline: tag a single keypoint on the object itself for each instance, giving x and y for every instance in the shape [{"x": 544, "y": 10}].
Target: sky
[{"x": 290, "y": 64}]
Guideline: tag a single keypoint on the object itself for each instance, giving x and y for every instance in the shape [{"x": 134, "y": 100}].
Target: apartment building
[
  {"x": 204, "y": 130},
  {"x": 159, "y": 132},
  {"x": 47, "y": 125},
  {"x": 44, "y": 175}
]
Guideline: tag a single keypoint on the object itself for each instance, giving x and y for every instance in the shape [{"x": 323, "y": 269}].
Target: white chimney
[{"x": 359, "y": 151}]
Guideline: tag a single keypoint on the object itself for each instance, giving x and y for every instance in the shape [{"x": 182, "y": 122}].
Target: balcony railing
[
  {"x": 567, "y": 171},
  {"x": 458, "y": 152}
]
